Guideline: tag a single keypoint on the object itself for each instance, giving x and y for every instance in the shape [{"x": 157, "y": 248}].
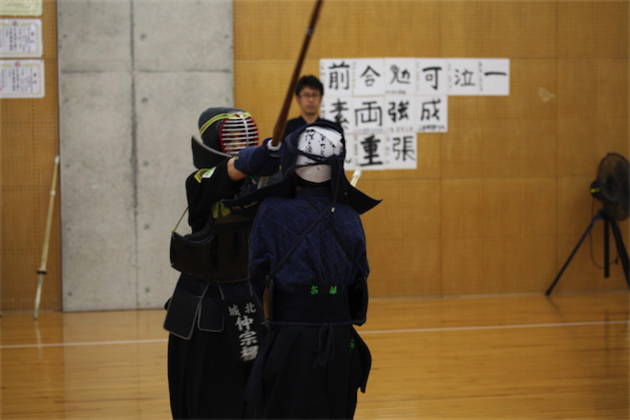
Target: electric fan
[{"x": 612, "y": 188}]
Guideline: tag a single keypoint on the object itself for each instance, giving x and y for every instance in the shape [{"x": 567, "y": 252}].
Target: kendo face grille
[{"x": 237, "y": 132}]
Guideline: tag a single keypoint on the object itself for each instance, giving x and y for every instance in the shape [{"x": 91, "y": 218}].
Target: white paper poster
[
  {"x": 368, "y": 114},
  {"x": 402, "y": 151},
  {"x": 494, "y": 77},
  {"x": 21, "y": 7},
  {"x": 463, "y": 76},
  {"x": 400, "y": 76},
  {"x": 382, "y": 103},
  {"x": 400, "y": 112},
  {"x": 339, "y": 110},
  {"x": 21, "y": 78},
  {"x": 370, "y": 151},
  {"x": 432, "y": 76},
  {"x": 369, "y": 76},
  {"x": 21, "y": 38},
  {"x": 336, "y": 76},
  {"x": 432, "y": 114}
]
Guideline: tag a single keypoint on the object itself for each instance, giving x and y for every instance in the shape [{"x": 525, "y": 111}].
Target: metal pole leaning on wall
[{"x": 42, "y": 269}]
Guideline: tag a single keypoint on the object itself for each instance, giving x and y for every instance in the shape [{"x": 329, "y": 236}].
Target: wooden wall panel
[
  {"x": 592, "y": 113},
  {"x": 401, "y": 268},
  {"x": 498, "y": 136},
  {"x": 418, "y": 203},
  {"x": 29, "y": 141},
  {"x": 577, "y": 121},
  {"x": 497, "y": 265},
  {"x": 515, "y": 29},
  {"x": 24, "y": 220},
  {"x": 507, "y": 187},
  {"x": 463, "y": 267},
  {"x": 592, "y": 29},
  {"x": 268, "y": 29},
  {"x": 506, "y": 170},
  {"x": 396, "y": 260},
  {"x": 527, "y": 77},
  {"x": 358, "y": 27},
  {"x": 498, "y": 234},
  {"x": 462, "y": 151}
]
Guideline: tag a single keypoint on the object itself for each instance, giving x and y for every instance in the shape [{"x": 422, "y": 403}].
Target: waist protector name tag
[{"x": 244, "y": 330}]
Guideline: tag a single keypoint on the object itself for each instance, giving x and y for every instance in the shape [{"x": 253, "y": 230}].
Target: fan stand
[{"x": 623, "y": 254}]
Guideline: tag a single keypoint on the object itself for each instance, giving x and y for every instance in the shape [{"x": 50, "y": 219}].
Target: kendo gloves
[{"x": 263, "y": 160}]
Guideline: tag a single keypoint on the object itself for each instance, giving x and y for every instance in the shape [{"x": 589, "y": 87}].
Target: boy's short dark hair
[{"x": 310, "y": 81}]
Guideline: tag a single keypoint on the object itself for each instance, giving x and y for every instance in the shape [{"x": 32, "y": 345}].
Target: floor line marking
[
  {"x": 411, "y": 330},
  {"x": 496, "y": 327},
  {"x": 87, "y": 343}
]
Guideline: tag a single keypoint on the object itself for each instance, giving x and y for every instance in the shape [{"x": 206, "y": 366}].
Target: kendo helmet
[
  {"x": 317, "y": 147},
  {"x": 315, "y": 153},
  {"x": 224, "y": 132}
]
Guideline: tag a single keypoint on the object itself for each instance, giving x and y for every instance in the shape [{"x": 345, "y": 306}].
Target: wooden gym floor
[{"x": 508, "y": 357}]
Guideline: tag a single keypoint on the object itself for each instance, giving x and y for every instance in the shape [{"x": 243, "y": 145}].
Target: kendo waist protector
[{"x": 218, "y": 253}]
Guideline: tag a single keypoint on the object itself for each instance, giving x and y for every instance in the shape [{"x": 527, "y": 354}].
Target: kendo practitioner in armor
[
  {"x": 215, "y": 323},
  {"x": 308, "y": 262}
]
